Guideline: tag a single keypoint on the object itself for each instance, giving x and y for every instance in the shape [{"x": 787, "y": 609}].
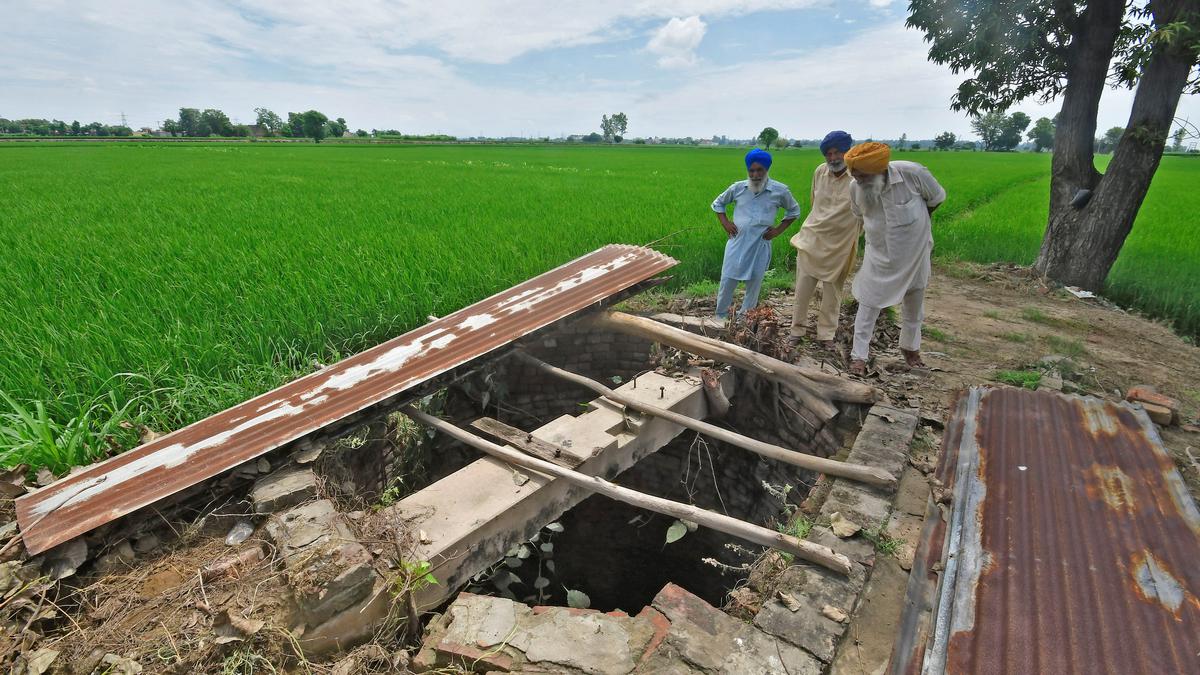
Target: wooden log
[
  {"x": 718, "y": 402},
  {"x": 525, "y": 442},
  {"x": 858, "y": 472},
  {"x": 821, "y": 555},
  {"x": 809, "y": 380}
]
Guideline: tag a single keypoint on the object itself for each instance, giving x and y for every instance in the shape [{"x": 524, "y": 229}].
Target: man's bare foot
[
  {"x": 913, "y": 358},
  {"x": 858, "y": 367}
]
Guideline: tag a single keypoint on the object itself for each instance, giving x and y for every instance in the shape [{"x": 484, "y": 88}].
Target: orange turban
[{"x": 869, "y": 157}]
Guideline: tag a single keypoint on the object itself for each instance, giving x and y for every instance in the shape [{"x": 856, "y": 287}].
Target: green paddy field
[{"x": 158, "y": 284}]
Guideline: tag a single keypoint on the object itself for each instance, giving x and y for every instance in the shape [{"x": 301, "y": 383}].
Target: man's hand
[{"x": 728, "y": 225}]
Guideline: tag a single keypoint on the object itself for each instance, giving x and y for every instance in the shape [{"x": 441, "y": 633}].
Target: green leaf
[
  {"x": 524, "y": 552},
  {"x": 541, "y": 582},
  {"x": 547, "y": 547},
  {"x": 514, "y": 563},
  {"x": 676, "y": 531},
  {"x": 691, "y": 527},
  {"x": 555, "y": 527},
  {"x": 578, "y": 599}
]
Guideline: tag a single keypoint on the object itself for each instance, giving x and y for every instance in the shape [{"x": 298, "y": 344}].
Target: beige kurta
[{"x": 828, "y": 240}]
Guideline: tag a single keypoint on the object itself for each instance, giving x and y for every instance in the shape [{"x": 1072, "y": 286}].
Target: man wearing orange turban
[{"x": 895, "y": 201}]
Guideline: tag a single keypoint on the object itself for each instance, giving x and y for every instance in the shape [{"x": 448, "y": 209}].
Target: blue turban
[
  {"x": 836, "y": 139},
  {"x": 760, "y": 156}
]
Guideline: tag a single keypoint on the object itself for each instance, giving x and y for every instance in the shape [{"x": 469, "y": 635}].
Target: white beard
[
  {"x": 838, "y": 166},
  {"x": 756, "y": 186},
  {"x": 872, "y": 189}
]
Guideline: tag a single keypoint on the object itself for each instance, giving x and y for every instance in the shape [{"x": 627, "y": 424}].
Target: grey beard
[
  {"x": 756, "y": 186},
  {"x": 873, "y": 189},
  {"x": 838, "y": 166}
]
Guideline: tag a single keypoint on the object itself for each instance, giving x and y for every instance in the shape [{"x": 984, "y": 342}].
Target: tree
[
  {"x": 1042, "y": 134},
  {"x": 295, "y": 125},
  {"x": 903, "y": 142},
  {"x": 780, "y": 143},
  {"x": 945, "y": 140},
  {"x": 268, "y": 120},
  {"x": 1049, "y": 49},
  {"x": 1178, "y": 137},
  {"x": 75, "y": 128},
  {"x": 620, "y": 123},
  {"x": 313, "y": 124},
  {"x": 1109, "y": 141},
  {"x": 215, "y": 122},
  {"x": 767, "y": 136},
  {"x": 1011, "y": 130},
  {"x": 189, "y": 122},
  {"x": 989, "y": 127},
  {"x": 593, "y": 138}
]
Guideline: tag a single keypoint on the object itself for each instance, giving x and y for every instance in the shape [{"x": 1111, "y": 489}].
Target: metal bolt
[
  {"x": 662, "y": 392},
  {"x": 529, "y": 438}
]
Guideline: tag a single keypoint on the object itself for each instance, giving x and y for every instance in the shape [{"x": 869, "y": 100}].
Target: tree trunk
[{"x": 1081, "y": 244}]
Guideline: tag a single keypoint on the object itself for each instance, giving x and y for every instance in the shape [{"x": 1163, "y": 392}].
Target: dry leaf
[
  {"x": 788, "y": 601},
  {"x": 232, "y": 627},
  {"x": 834, "y": 614},
  {"x": 842, "y": 526}
]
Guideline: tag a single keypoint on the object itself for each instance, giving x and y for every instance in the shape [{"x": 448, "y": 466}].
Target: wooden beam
[
  {"x": 525, "y": 442},
  {"x": 821, "y": 555},
  {"x": 811, "y": 380},
  {"x": 858, "y": 472}
]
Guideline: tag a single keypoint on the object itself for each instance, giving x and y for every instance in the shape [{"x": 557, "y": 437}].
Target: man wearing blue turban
[
  {"x": 756, "y": 201},
  {"x": 827, "y": 244}
]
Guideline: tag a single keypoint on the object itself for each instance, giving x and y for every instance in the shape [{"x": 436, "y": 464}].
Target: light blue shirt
[{"x": 747, "y": 254}]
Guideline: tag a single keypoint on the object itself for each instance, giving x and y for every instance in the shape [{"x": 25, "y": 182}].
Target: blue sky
[{"x": 522, "y": 67}]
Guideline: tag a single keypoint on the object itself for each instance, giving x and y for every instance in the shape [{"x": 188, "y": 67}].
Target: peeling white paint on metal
[
  {"x": 477, "y": 321},
  {"x": 170, "y": 456}
]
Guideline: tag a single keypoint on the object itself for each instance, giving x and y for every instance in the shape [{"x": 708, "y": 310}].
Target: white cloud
[
  {"x": 880, "y": 4},
  {"x": 676, "y": 41}
]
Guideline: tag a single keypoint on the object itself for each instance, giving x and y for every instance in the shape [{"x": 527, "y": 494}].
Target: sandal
[
  {"x": 794, "y": 341},
  {"x": 913, "y": 358},
  {"x": 857, "y": 367}
]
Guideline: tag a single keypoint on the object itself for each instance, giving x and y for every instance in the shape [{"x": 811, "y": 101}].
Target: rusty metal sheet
[
  {"x": 1071, "y": 545},
  {"x": 163, "y": 467}
]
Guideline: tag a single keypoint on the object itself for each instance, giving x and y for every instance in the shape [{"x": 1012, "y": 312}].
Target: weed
[
  {"x": 1070, "y": 348},
  {"x": 935, "y": 334},
  {"x": 884, "y": 543},
  {"x": 705, "y": 288},
  {"x": 1036, "y": 315},
  {"x": 1030, "y": 379},
  {"x": 992, "y": 314},
  {"x": 1017, "y": 337}
]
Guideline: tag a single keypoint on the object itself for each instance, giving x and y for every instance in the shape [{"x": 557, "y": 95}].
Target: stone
[
  {"x": 263, "y": 465},
  {"x": 314, "y": 523},
  {"x": 1158, "y": 414},
  {"x": 119, "y": 559},
  {"x": 806, "y": 628},
  {"x": 64, "y": 559},
  {"x": 593, "y": 643},
  {"x": 1145, "y": 393},
  {"x": 842, "y": 526},
  {"x": 146, "y": 543},
  {"x": 1051, "y": 381},
  {"x": 283, "y": 489},
  {"x": 482, "y": 620},
  {"x": 320, "y": 602}
]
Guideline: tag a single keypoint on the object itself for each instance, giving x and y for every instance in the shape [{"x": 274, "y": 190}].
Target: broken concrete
[{"x": 283, "y": 489}]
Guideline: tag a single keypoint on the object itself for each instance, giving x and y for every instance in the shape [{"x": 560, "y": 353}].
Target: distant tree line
[{"x": 40, "y": 127}]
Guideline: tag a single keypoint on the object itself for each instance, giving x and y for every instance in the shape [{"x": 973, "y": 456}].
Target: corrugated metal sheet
[
  {"x": 150, "y": 472},
  {"x": 1071, "y": 545}
]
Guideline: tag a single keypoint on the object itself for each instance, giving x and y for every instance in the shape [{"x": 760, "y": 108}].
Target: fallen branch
[
  {"x": 821, "y": 555},
  {"x": 808, "y": 381},
  {"x": 858, "y": 472}
]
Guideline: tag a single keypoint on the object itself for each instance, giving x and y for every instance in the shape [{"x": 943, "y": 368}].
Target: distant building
[{"x": 257, "y": 130}]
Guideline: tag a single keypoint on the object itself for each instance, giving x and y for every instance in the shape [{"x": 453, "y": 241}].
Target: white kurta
[
  {"x": 899, "y": 234},
  {"x": 828, "y": 239}
]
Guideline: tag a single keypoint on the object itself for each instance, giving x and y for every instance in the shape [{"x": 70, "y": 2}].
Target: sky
[{"x": 517, "y": 68}]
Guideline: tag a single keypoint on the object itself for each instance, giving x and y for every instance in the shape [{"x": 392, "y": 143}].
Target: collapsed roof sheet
[
  {"x": 1071, "y": 545},
  {"x": 167, "y": 465}
]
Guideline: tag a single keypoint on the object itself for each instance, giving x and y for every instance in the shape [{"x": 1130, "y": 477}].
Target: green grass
[
  {"x": 171, "y": 281},
  {"x": 1016, "y": 337},
  {"x": 1070, "y": 348},
  {"x": 935, "y": 334},
  {"x": 1030, "y": 379}
]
